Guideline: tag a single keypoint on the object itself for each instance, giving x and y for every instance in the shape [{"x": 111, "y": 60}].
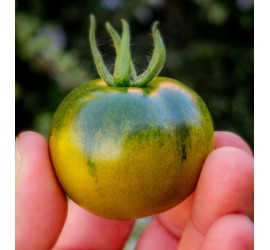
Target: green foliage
[{"x": 209, "y": 46}]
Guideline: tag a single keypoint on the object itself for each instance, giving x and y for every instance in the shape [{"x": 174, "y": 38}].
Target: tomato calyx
[{"x": 125, "y": 74}]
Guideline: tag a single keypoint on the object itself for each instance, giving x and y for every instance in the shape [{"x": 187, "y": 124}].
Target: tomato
[{"x": 126, "y": 149}]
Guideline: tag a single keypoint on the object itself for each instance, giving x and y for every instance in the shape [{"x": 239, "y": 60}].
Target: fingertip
[
  {"x": 157, "y": 236},
  {"x": 230, "y": 139},
  {"x": 230, "y": 156},
  {"x": 27, "y": 139},
  {"x": 29, "y": 145},
  {"x": 233, "y": 231},
  {"x": 229, "y": 160}
]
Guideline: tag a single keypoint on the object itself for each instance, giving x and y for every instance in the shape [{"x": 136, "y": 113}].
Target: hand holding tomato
[
  {"x": 219, "y": 215},
  {"x": 127, "y": 146}
]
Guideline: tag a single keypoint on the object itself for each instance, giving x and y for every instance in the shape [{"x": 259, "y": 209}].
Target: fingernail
[{"x": 18, "y": 158}]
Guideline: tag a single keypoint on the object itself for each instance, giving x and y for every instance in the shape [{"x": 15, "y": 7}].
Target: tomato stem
[{"x": 124, "y": 71}]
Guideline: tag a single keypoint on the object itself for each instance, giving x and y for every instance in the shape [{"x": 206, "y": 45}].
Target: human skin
[{"x": 218, "y": 215}]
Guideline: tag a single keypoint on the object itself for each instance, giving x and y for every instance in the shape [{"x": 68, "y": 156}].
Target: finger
[
  {"x": 176, "y": 218},
  {"x": 84, "y": 230},
  {"x": 40, "y": 203},
  {"x": 229, "y": 139},
  {"x": 233, "y": 231},
  {"x": 225, "y": 187},
  {"x": 157, "y": 236}
]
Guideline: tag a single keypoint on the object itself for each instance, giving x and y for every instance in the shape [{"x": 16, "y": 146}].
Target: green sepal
[
  {"x": 157, "y": 60},
  {"x": 116, "y": 42},
  {"x": 101, "y": 68}
]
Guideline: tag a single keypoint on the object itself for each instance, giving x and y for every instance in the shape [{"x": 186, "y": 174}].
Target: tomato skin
[{"x": 129, "y": 152}]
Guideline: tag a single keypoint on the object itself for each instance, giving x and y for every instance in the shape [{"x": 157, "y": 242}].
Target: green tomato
[{"x": 128, "y": 146}]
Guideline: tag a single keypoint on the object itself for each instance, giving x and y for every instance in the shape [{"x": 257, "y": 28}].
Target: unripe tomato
[{"x": 127, "y": 151}]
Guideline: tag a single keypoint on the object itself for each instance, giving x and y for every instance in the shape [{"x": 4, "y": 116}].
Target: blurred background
[{"x": 209, "y": 47}]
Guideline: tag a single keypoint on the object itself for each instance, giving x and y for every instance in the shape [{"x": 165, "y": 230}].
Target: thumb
[{"x": 40, "y": 203}]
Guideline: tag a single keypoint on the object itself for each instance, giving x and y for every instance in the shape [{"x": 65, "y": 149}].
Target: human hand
[{"x": 219, "y": 215}]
